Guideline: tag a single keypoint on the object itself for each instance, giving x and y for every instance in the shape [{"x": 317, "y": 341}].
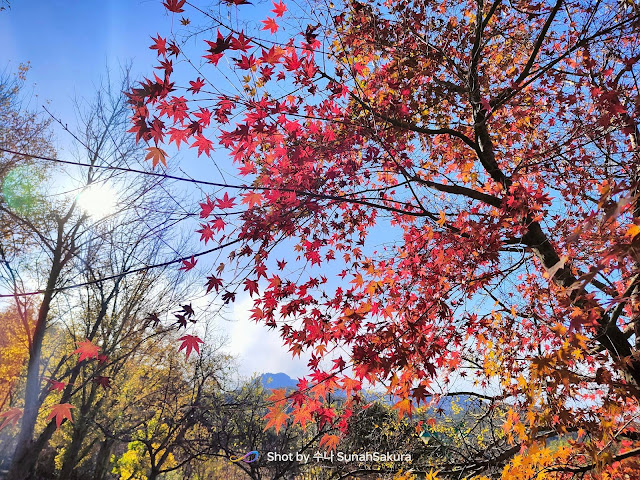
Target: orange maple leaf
[
  {"x": 60, "y": 412},
  {"x": 252, "y": 198},
  {"x": 330, "y": 441},
  {"x": 11, "y": 416},
  {"x": 156, "y": 155},
  {"x": 86, "y": 350},
  {"x": 302, "y": 415},
  {"x": 277, "y": 418},
  {"x": 350, "y": 385},
  {"x": 404, "y": 407},
  {"x": 277, "y": 415}
]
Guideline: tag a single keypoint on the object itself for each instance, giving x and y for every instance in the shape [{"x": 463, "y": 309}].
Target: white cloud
[{"x": 257, "y": 348}]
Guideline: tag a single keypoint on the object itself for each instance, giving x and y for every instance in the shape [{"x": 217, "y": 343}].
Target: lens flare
[{"x": 20, "y": 188}]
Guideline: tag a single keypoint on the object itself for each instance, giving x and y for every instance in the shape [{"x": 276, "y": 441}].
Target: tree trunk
[
  {"x": 23, "y": 458},
  {"x": 72, "y": 450},
  {"x": 102, "y": 460},
  {"x": 80, "y": 429},
  {"x": 28, "y": 457},
  {"x": 608, "y": 335}
]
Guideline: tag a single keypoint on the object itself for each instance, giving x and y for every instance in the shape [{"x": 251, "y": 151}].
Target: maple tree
[{"x": 466, "y": 170}]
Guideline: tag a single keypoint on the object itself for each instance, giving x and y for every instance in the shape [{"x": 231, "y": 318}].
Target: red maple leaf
[
  {"x": 279, "y": 9},
  {"x": 228, "y": 297},
  {"x": 218, "y": 223},
  {"x": 339, "y": 364},
  {"x": 167, "y": 66},
  {"x": 196, "y": 85},
  {"x": 214, "y": 58},
  {"x": 189, "y": 344},
  {"x": 207, "y": 207},
  {"x": 188, "y": 264},
  {"x": 173, "y": 49},
  {"x": 241, "y": 42},
  {"x": 245, "y": 63},
  {"x": 292, "y": 62},
  {"x": 213, "y": 282},
  {"x": 206, "y": 233},
  {"x": 204, "y": 117},
  {"x": 11, "y": 416},
  {"x": 420, "y": 393},
  {"x": 486, "y": 105},
  {"x": 56, "y": 385},
  {"x": 181, "y": 320},
  {"x": 104, "y": 382},
  {"x": 204, "y": 145},
  {"x": 270, "y": 24},
  {"x": 252, "y": 286},
  {"x": 226, "y": 202},
  {"x": 87, "y": 350},
  {"x": 271, "y": 56},
  {"x": 178, "y": 135},
  {"x": 261, "y": 270},
  {"x": 174, "y": 5},
  {"x": 153, "y": 318},
  {"x": 220, "y": 45},
  {"x": 61, "y": 412},
  {"x": 160, "y": 45},
  {"x": 156, "y": 131}
]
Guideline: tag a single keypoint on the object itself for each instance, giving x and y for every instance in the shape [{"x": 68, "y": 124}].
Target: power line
[
  {"x": 124, "y": 169},
  {"x": 321, "y": 196},
  {"x": 122, "y": 274}
]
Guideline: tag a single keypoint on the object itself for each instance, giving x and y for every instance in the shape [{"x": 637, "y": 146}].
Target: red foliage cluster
[{"x": 491, "y": 153}]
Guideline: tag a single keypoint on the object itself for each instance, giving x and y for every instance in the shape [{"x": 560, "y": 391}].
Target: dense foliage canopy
[{"x": 459, "y": 181}]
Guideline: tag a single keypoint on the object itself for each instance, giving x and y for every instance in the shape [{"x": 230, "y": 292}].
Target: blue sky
[{"x": 70, "y": 46}]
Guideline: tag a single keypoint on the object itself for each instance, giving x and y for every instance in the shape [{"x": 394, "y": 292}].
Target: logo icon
[{"x": 248, "y": 457}]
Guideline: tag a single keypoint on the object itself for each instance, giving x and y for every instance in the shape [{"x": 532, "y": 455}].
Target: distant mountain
[{"x": 273, "y": 381}]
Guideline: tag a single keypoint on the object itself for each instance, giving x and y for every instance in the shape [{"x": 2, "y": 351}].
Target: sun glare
[{"x": 97, "y": 200}]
